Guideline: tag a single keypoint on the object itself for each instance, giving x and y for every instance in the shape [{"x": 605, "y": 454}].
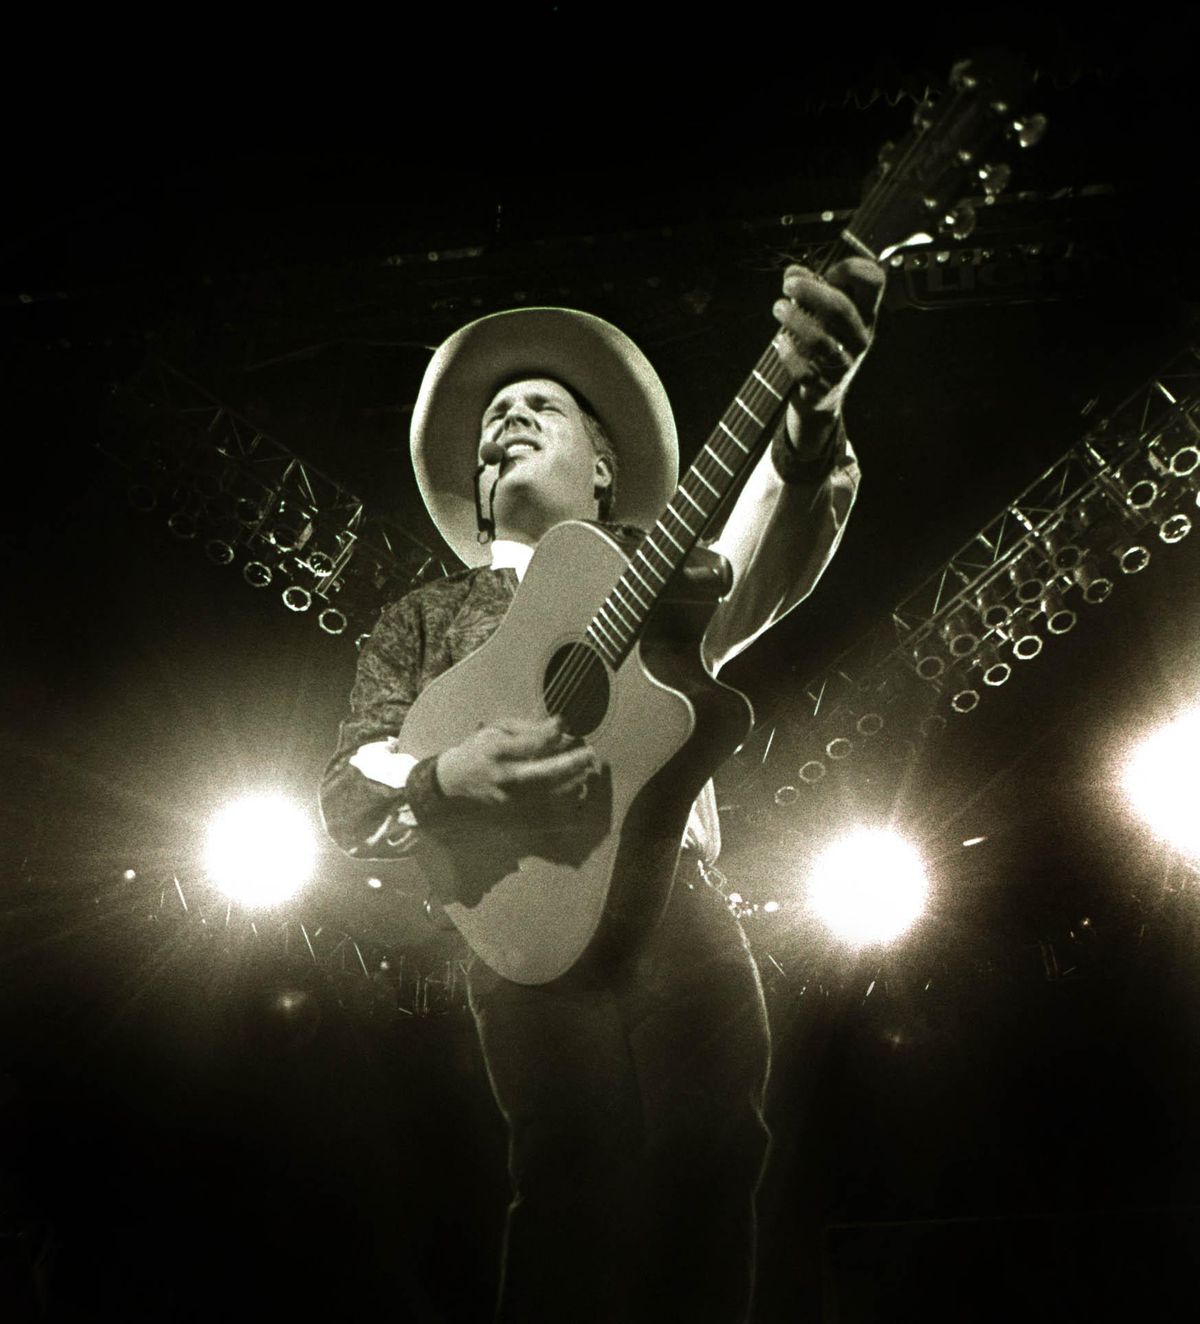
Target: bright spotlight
[
  {"x": 868, "y": 887},
  {"x": 260, "y": 849},
  {"x": 1161, "y": 778}
]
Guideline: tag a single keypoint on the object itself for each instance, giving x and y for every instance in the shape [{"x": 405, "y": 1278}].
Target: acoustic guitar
[{"x": 592, "y": 634}]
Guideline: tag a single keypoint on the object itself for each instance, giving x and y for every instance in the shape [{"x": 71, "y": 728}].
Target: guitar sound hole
[{"x": 576, "y": 685}]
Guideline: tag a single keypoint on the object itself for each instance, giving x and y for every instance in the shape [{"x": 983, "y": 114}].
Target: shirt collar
[{"x": 509, "y": 555}]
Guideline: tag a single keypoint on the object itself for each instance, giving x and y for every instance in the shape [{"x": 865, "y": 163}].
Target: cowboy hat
[{"x": 586, "y": 354}]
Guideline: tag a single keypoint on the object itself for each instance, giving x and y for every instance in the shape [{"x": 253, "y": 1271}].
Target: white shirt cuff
[{"x": 383, "y": 762}]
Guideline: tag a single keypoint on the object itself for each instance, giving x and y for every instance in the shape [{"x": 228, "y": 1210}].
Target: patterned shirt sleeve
[{"x": 363, "y": 813}]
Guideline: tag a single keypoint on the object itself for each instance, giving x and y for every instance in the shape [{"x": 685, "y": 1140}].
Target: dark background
[{"x": 991, "y": 1119}]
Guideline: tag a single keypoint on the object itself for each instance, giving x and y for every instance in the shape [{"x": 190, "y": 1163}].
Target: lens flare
[
  {"x": 260, "y": 849},
  {"x": 868, "y": 887},
  {"x": 1161, "y": 779}
]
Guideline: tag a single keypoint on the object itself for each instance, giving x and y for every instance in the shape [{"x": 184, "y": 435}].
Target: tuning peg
[
  {"x": 923, "y": 115},
  {"x": 1028, "y": 130},
  {"x": 963, "y": 78},
  {"x": 884, "y": 161},
  {"x": 994, "y": 177},
  {"x": 958, "y": 222}
]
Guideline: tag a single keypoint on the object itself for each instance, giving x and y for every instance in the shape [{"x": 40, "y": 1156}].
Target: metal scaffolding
[
  {"x": 244, "y": 495},
  {"x": 383, "y": 980},
  {"x": 1128, "y": 487}
]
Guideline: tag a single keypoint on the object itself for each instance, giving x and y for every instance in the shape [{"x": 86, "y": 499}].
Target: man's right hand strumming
[{"x": 518, "y": 763}]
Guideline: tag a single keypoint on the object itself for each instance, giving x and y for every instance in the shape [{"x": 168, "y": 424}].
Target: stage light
[
  {"x": 868, "y": 887},
  {"x": 1175, "y": 527},
  {"x": 994, "y": 669},
  {"x": 1133, "y": 560},
  {"x": 1027, "y": 577},
  {"x": 1058, "y": 544},
  {"x": 1060, "y": 619},
  {"x": 256, "y": 574},
  {"x": 182, "y": 525},
  {"x": 260, "y": 850},
  {"x": 959, "y": 635},
  {"x": 1096, "y": 587},
  {"x": 993, "y": 613},
  {"x": 965, "y": 700},
  {"x": 1161, "y": 779},
  {"x": 1185, "y": 461},
  {"x": 249, "y": 511},
  {"x": 332, "y": 621},
  {"x": 928, "y": 659},
  {"x": 1026, "y": 642},
  {"x": 218, "y": 551}
]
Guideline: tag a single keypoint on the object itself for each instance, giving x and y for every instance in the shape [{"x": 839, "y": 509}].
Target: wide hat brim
[{"x": 584, "y": 353}]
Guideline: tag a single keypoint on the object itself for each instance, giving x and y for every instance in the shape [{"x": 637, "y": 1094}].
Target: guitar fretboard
[{"x": 732, "y": 446}]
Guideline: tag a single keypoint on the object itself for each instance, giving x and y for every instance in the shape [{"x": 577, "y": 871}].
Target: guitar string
[
  {"x": 578, "y": 670},
  {"x": 580, "y": 666}
]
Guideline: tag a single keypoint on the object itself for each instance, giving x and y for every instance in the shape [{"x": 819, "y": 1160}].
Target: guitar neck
[{"x": 733, "y": 446}]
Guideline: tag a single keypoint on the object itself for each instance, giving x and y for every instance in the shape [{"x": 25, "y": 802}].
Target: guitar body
[
  {"x": 544, "y": 896},
  {"x": 534, "y": 899}
]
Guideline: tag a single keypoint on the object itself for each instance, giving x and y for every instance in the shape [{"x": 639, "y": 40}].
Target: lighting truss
[
  {"x": 245, "y": 496},
  {"x": 376, "y": 978},
  {"x": 1125, "y": 490}
]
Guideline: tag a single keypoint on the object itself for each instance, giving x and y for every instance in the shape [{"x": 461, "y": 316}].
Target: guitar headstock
[{"x": 921, "y": 187}]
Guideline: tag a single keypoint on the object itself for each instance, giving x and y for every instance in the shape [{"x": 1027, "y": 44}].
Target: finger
[
  {"x": 862, "y": 281},
  {"x": 522, "y": 739},
  {"x": 813, "y": 357},
  {"x": 829, "y": 308},
  {"x": 574, "y": 788},
  {"x": 556, "y": 769}
]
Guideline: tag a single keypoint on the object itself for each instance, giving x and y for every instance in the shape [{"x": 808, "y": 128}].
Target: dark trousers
[{"x": 635, "y": 1121}]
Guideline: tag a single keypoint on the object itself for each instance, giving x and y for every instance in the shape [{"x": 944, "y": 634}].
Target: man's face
[{"x": 549, "y": 464}]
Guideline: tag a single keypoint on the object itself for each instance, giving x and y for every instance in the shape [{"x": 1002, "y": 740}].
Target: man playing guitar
[{"x": 632, "y": 1087}]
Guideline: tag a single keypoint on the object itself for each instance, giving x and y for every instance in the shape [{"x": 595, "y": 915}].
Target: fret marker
[
  {"x": 605, "y": 649},
  {"x": 712, "y": 454},
  {"x": 750, "y": 411},
  {"x": 662, "y": 579},
  {"x": 614, "y": 604},
  {"x": 648, "y": 587},
  {"x": 623, "y": 583},
  {"x": 768, "y": 385},
  {"x": 733, "y": 436},
  {"x": 610, "y": 630},
  {"x": 667, "y": 532}
]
